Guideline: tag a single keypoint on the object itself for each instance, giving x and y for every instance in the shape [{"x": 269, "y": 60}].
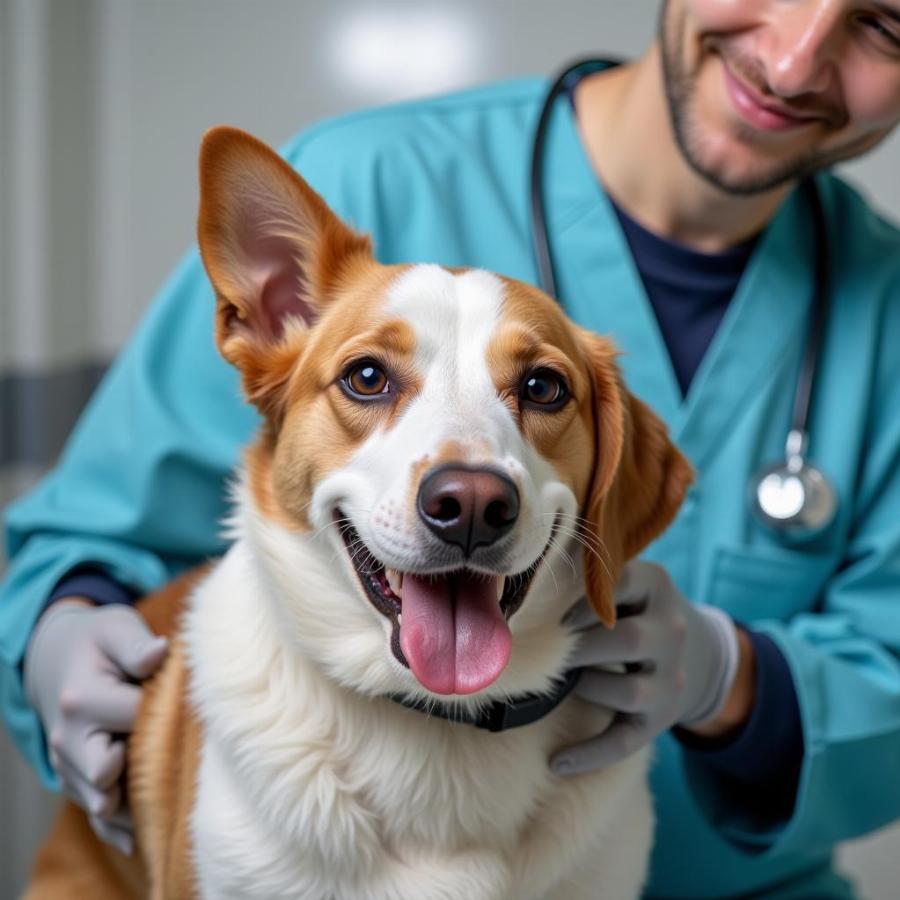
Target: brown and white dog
[{"x": 446, "y": 465}]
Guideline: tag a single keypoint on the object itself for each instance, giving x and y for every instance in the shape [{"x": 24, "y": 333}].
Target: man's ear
[
  {"x": 272, "y": 249},
  {"x": 639, "y": 480}
]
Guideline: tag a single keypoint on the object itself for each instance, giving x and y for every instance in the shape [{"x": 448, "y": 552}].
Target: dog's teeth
[
  {"x": 395, "y": 580},
  {"x": 501, "y": 583},
  {"x": 399, "y": 618}
]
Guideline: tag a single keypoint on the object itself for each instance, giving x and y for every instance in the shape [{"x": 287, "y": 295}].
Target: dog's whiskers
[
  {"x": 550, "y": 546},
  {"x": 557, "y": 545},
  {"x": 574, "y": 528},
  {"x": 581, "y": 528}
]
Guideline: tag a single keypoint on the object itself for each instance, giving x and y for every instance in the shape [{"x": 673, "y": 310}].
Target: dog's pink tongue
[{"x": 452, "y": 633}]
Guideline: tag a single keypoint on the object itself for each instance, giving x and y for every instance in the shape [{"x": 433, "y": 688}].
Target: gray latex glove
[
  {"x": 80, "y": 671},
  {"x": 666, "y": 662}
]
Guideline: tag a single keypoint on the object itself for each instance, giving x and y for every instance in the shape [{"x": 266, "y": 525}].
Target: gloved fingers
[
  {"x": 112, "y": 706},
  {"x": 121, "y": 818},
  {"x": 96, "y": 758},
  {"x": 629, "y": 693},
  {"x": 631, "y": 598},
  {"x": 100, "y": 804},
  {"x": 626, "y": 735},
  {"x": 630, "y": 641},
  {"x": 129, "y": 643},
  {"x": 638, "y": 581},
  {"x": 120, "y": 838}
]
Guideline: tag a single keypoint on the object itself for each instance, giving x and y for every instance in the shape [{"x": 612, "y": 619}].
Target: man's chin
[
  {"x": 741, "y": 170},
  {"x": 745, "y": 181}
]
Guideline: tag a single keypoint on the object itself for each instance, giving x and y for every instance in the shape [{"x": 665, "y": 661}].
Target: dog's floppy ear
[
  {"x": 272, "y": 249},
  {"x": 640, "y": 478}
]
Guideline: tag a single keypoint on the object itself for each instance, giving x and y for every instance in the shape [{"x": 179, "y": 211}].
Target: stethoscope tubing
[{"x": 540, "y": 239}]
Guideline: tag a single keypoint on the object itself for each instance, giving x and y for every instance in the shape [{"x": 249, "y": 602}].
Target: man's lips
[{"x": 762, "y": 113}]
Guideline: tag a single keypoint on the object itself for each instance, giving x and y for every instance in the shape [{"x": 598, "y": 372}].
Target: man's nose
[
  {"x": 468, "y": 507},
  {"x": 804, "y": 40}
]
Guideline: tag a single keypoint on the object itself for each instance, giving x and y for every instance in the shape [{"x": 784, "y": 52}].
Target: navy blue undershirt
[
  {"x": 93, "y": 583},
  {"x": 688, "y": 290}
]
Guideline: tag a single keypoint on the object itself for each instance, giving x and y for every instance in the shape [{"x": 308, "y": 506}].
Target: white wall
[{"x": 102, "y": 105}]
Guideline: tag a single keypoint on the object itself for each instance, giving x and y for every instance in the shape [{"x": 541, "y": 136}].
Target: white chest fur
[{"x": 308, "y": 790}]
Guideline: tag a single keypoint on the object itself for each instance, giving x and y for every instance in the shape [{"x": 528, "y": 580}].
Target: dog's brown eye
[
  {"x": 366, "y": 379},
  {"x": 545, "y": 389}
]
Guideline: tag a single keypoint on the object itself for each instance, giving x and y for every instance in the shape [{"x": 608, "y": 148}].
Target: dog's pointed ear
[
  {"x": 272, "y": 249},
  {"x": 639, "y": 480}
]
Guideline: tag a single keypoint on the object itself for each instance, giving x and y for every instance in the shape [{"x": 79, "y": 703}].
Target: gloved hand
[
  {"x": 680, "y": 661},
  {"x": 80, "y": 671}
]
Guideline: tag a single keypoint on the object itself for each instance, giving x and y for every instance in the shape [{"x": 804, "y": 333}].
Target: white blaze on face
[{"x": 454, "y": 318}]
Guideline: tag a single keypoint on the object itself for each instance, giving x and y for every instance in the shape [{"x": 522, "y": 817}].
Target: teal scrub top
[{"x": 139, "y": 488}]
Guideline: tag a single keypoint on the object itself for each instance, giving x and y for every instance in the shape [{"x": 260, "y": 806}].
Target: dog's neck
[{"x": 500, "y": 715}]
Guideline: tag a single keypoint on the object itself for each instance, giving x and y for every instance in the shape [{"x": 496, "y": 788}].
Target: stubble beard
[{"x": 680, "y": 91}]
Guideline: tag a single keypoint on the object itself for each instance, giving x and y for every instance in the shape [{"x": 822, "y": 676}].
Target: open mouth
[{"x": 449, "y": 628}]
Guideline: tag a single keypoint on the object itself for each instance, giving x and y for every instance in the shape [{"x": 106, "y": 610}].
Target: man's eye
[
  {"x": 367, "y": 379},
  {"x": 880, "y": 32},
  {"x": 544, "y": 389}
]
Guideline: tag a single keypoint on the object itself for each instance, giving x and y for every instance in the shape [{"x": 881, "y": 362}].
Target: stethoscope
[{"x": 792, "y": 495}]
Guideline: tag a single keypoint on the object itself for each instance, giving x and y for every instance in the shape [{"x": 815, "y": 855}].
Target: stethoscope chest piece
[{"x": 793, "y": 496}]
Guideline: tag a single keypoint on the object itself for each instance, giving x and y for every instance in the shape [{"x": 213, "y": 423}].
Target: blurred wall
[{"x": 102, "y": 105}]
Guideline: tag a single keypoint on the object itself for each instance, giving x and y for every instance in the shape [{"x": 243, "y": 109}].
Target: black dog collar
[{"x": 500, "y": 716}]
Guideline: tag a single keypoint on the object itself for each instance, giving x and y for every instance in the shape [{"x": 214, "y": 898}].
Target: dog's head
[{"x": 454, "y": 444}]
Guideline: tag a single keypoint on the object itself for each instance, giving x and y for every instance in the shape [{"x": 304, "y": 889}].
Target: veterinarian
[{"x": 677, "y": 224}]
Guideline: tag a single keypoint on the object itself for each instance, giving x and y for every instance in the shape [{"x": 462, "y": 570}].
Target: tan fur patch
[{"x": 533, "y": 334}]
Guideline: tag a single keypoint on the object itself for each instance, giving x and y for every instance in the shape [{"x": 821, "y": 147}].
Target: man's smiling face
[{"x": 765, "y": 91}]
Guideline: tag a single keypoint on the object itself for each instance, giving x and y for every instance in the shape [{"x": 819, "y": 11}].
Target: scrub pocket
[{"x": 766, "y": 582}]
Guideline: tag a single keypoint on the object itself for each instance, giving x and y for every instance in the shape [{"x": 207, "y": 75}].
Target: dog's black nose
[{"x": 468, "y": 507}]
